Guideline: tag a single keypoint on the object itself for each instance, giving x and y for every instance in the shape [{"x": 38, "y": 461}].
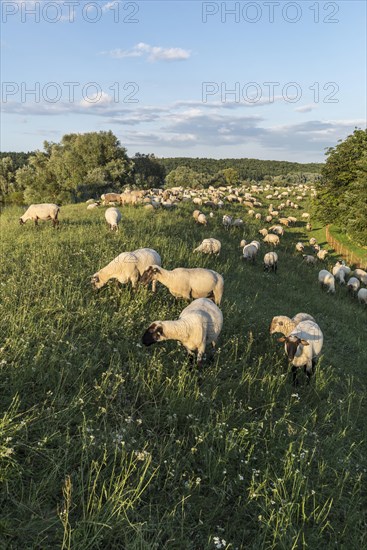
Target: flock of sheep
[{"x": 200, "y": 323}]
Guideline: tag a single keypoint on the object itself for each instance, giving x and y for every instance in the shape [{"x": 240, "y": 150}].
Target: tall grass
[{"x": 104, "y": 444}]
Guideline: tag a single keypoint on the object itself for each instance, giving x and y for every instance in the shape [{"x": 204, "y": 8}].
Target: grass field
[{"x": 106, "y": 445}]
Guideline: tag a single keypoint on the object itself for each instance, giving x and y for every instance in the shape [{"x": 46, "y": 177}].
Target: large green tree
[
  {"x": 342, "y": 190},
  {"x": 148, "y": 172},
  {"x": 81, "y": 165}
]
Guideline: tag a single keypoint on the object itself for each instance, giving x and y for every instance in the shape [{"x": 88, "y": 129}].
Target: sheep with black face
[{"x": 199, "y": 324}]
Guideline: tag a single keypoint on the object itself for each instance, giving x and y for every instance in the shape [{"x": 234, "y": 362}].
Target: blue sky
[{"x": 263, "y": 79}]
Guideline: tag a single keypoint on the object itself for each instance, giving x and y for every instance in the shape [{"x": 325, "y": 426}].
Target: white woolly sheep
[
  {"x": 305, "y": 215},
  {"x": 187, "y": 283},
  {"x": 243, "y": 243},
  {"x": 339, "y": 273},
  {"x": 269, "y": 218},
  {"x": 353, "y": 284},
  {"x": 92, "y": 205},
  {"x": 199, "y": 324},
  {"x": 202, "y": 219},
  {"x": 238, "y": 222},
  {"x": 271, "y": 262},
  {"x": 227, "y": 221},
  {"x": 285, "y": 325},
  {"x": 361, "y": 274},
  {"x": 271, "y": 239},
  {"x": 128, "y": 266},
  {"x": 321, "y": 254},
  {"x": 209, "y": 246},
  {"x": 362, "y": 295},
  {"x": 196, "y": 214},
  {"x": 312, "y": 241},
  {"x": 308, "y": 227},
  {"x": 43, "y": 211},
  {"x": 263, "y": 232},
  {"x": 258, "y": 216},
  {"x": 326, "y": 279},
  {"x": 250, "y": 251},
  {"x": 292, "y": 220},
  {"x": 251, "y": 212},
  {"x": 300, "y": 247},
  {"x": 113, "y": 217},
  {"x": 303, "y": 347},
  {"x": 277, "y": 230}
]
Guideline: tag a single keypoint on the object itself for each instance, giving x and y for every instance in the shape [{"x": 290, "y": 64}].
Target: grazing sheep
[
  {"x": 339, "y": 273},
  {"x": 187, "y": 283},
  {"x": 312, "y": 241},
  {"x": 44, "y": 211},
  {"x": 292, "y": 220},
  {"x": 306, "y": 215},
  {"x": 196, "y": 214},
  {"x": 300, "y": 247},
  {"x": 322, "y": 254},
  {"x": 361, "y": 274},
  {"x": 263, "y": 232},
  {"x": 271, "y": 239},
  {"x": 269, "y": 218},
  {"x": 308, "y": 227},
  {"x": 309, "y": 259},
  {"x": 111, "y": 197},
  {"x": 209, "y": 246},
  {"x": 128, "y": 266},
  {"x": 353, "y": 285},
  {"x": 199, "y": 324},
  {"x": 284, "y": 221},
  {"x": 92, "y": 205},
  {"x": 258, "y": 216},
  {"x": 271, "y": 262},
  {"x": 277, "y": 230},
  {"x": 227, "y": 221},
  {"x": 202, "y": 219},
  {"x": 251, "y": 212},
  {"x": 303, "y": 347},
  {"x": 326, "y": 279},
  {"x": 243, "y": 243},
  {"x": 238, "y": 222},
  {"x": 250, "y": 250},
  {"x": 362, "y": 295},
  {"x": 285, "y": 325},
  {"x": 113, "y": 217}
]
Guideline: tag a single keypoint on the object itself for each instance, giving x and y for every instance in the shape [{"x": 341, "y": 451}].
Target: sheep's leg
[
  {"x": 154, "y": 286},
  {"x": 36, "y": 221},
  {"x": 294, "y": 376}
]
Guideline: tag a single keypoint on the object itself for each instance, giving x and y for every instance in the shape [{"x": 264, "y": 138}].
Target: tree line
[{"x": 86, "y": 165}]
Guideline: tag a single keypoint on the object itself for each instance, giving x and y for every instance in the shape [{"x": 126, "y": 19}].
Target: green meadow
[{"x": 106, "y": 444}]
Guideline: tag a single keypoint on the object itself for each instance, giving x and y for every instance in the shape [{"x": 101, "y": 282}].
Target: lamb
[
  {"x": 361, "y": 274},
  {"x": 271, "y": 262},
  {"x": 326, "y": 279},
  {"x": 199, "y": 323},
  {"x": 128, "y": 266},
  {"x": 362, "y": 295},
  {"x": 250, "y": 250},
  {"x": 44, "y": 211},
  {"x": 113, "y": 217},
  {"x": 285, "y": 325},
  {"x": 227, "y": 221},
  {"x": 209, "y": 246},
  {"x": 322, "y": 254},
  {"x": 187, "y": 283},
  {"x": 303, "y": 347},
  {"x": 300, "y": 247},
  {"x": 271, "y": 239},
  {"x": 353, "y": 284}
]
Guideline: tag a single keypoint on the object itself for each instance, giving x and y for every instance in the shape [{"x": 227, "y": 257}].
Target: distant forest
[{"x": 248, "y": 169}]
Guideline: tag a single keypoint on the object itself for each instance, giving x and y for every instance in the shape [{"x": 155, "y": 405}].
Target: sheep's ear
[
  {"x": 156, "y": 270},
  {"x": 304, "y": 342},
  {"x": 282, "y": 339}
]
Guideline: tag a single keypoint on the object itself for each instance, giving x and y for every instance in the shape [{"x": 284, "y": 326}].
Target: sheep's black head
[
  {"x": 148, "y": 274},
  {"x": 95, "y": 282},
  {"x": 153, "y": 334},
  {"x": 21, "y": 221},
  {"x": 291, "y": 345}
]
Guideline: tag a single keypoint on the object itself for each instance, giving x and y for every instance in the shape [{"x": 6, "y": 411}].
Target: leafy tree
[
  {"x": 183, "y": 176},
  {"x": 342, "y": 190},
  {"x": 6, "y": 176},
  {"x": 79, "y": 166},
  {"x": 148, "y": 171}
]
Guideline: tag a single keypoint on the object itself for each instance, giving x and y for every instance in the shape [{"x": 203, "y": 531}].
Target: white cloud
[
  {"x": 152, "y": 53},
  {"x": 306, "y": 108}
]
